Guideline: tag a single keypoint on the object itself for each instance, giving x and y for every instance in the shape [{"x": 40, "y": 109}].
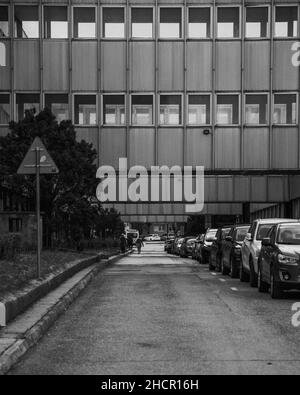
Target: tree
[{"x": 65, "y": 198}]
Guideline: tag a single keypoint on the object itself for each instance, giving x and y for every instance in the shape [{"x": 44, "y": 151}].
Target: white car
[
  {"x": 252, "y": 245},
  {"x": 152, "y": 238}
]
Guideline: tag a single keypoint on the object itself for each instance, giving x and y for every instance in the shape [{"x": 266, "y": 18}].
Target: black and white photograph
[{"x": 149, "y": 190}]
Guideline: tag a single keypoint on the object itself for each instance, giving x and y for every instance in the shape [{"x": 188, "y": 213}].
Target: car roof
[
  {"x": 289, "y": 222},
  {"x": 275, "y": 220}
]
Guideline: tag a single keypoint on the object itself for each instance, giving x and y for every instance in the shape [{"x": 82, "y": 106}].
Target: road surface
[{"x": 159, "y": 314}]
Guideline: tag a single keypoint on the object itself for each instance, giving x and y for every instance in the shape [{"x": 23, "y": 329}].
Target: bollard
[{"x": 2, "y": 315}]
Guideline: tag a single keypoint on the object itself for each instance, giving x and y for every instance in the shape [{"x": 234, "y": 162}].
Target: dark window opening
[
  {"x": 256, "y": 109},
  {"x": 85, "y": 110},
  {"x": 113, "y": 22},
  {"x": 27, "y": 102},
  {"x": 15, "y": 225},
  {"x": 228, "y": 109},
  {"x": 199, "y": 110},
  {"x": 4, "y": 25},
  {"x": 113, "y": 110},
  {"x": 142, "y": 110},
  {"x": 285, "y": 109},
  {"x": 286, "y": 22},
  {"x": 170, "y": 23},
  {"x": 257, "y": 22},
  {"x": 142, "y": 22},
  {"x": 4, "y": 109},
  {"x": 56, "y": 22},
  {"x": 199, "y": 22},
  {"x": 27, "y": 21},
  {"x": 170, "y": 110},
  {"x": 228, "y": 22},
  {"x": 84, "y": 22},
  {"x": 59, "y": 105}
]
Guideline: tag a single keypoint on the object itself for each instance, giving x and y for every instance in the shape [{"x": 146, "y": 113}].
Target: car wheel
[
  {"x": 253, "y": 276},
  {"x": 234, "y": 273},
  {"x": 244, "y": 277},
  {"x": 224, "y": 269},
  {"x": 276, "y": 291},
  {"x": 263, "y": 287}
]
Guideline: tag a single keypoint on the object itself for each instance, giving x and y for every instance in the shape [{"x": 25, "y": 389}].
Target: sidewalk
[{"x": 26, "y": 330}]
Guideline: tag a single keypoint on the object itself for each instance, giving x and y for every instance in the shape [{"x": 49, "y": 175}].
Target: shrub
[{"x": 9, "y": 245}]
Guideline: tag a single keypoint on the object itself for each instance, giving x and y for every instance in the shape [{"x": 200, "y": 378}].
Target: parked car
[
  {"x": 177, "y": 245},
  {"x": 231, "y": 250},
  {"x": 205, "y": 247},
  {"x": 187, "y": 246},
  {"x": 252, "y": 245},
  {"x": 216, "y": 248},
  {"x": 279, "y": 260},
  {"x": 153, "y": 237},
  {"x": 197, "y": 247}
]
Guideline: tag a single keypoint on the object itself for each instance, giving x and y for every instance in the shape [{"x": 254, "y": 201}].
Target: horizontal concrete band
[{"x": 17, "y": 346}]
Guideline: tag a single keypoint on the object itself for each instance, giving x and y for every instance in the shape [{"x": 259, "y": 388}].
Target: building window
[
  {"x": 113, "y": 22},
  {"x": 170, "y": 23},
  {"x": 257, "y": 22},
  {"x": 256, "y": 108},
  {"x": 142, "y": 109},
  {"x": 59, "y": 105},
  {"x": 26, "y": 21},
  {"x": 85, "y": 110},
  {"x": 228, "y": 109},
  {"x": 285, "y": 109},
  {"x": 228, "y": 22},
  {"x": 199, "y": 22},
  {"x": 2, "y": 55},
  {"x": 286, "y": 22},
  {"x": 27, "y": 102},
  {"x": 15, "y": 225},
  {"x": 199, "y": 110},
  {"x": 4, "y": 109},
  {"x": 170, "y": 109},
  {"x": 84, "y": 22},
  {"x": 56, "y": 22},
  {"x": 142, "y": 22},
  {"x": 4, "y": 25},
  {"x": 114, "y": 110}
]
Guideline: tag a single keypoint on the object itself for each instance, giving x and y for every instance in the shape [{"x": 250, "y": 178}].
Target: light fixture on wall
[{"x": 206, "y": 132}]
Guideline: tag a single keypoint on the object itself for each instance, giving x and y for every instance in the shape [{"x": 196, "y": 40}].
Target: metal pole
[{"x": 38, "y": 213}]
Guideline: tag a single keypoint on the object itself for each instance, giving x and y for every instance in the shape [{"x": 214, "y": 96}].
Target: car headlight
[{"x": 287, "y": 260}]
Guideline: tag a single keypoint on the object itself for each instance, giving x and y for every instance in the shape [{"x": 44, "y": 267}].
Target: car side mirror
[
  {"x": 228, "y": 238},
  {"x": 266, "y": 242},
  {"x": 249, "y": 237}
]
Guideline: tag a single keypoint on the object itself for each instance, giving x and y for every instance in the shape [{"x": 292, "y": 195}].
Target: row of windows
[
  {"x": 199, "y": 108},
  {"x": 199, "y": 23}
]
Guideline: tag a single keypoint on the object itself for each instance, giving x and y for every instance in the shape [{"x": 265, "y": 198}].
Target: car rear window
[
  {"x": 241, "y": 233},
  {"x": 289, "y": 234},
  {"x": 210, "y": 236}
]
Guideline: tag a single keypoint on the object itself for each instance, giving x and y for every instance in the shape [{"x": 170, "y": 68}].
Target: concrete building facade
[{"x": 166, "y": 82}]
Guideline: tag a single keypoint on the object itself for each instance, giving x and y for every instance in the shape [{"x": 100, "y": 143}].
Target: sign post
[{"x": 38, "y": 161}]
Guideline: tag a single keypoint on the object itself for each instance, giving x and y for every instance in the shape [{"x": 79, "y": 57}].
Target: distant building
[{"x": 167, "y": 83}]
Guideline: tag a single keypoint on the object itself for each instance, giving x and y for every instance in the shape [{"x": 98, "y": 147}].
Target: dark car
[
  {"x": 279, "y": 260},
  {"x": 197, "y": 247},
  {"x": 216, "y": 248},
  {"x": 231, "y": 250},
  {"x": 205, "y": 247},
  {"x": 187, "y": 246}
]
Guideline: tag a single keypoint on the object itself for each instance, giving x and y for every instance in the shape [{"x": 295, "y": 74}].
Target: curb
[{"x": 13, "y": 354}]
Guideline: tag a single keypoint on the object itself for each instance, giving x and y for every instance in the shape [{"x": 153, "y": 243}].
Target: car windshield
[
  {"x": 241, "y": 233},
  {"x": 210, "y": 236},
  {"x": 263, "y": 231},
  {"x": 225, "y": 232},
  {"x": 289, "y": 234}
]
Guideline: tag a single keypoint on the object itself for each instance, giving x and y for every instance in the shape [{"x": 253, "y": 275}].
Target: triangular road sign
[{"x": 38, "y": 156}]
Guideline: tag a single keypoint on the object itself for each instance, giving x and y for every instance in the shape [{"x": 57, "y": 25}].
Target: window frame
[
  {"x": 15, "y": 113},
  {"x": 9, "y": 20},
  {"x": 187, "y": 22},
  {"x": 210, "y": 109},
  {"x": 231, "y": 125},
  {"x": 269, "y": 22},
  {"x": 179, "y": 125},
  {"x": 241, "y": 23},
  {"x": 153, "y": 110},
  {"x": 56, "y": 5},
  {"x": 287, "y": 5},
  {"x": 74, "y": 94},
  {"x": 268, "y": 108},
  {"x": 278, "y": 125},
  {"x": 10, "y": 107},
  {"x": 183, "y": 27},
  {"x": 102, "y": 26},
  {"x": 73, "y": 22},
  {"x": 109, "y": 126},
  {"x": 13, "y": 35},
  {"x": 153, "y": 23},
  {"x": 58, "y": 93}
]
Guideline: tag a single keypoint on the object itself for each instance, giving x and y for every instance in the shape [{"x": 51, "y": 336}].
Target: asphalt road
[{"x": 158, "y": 314}]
